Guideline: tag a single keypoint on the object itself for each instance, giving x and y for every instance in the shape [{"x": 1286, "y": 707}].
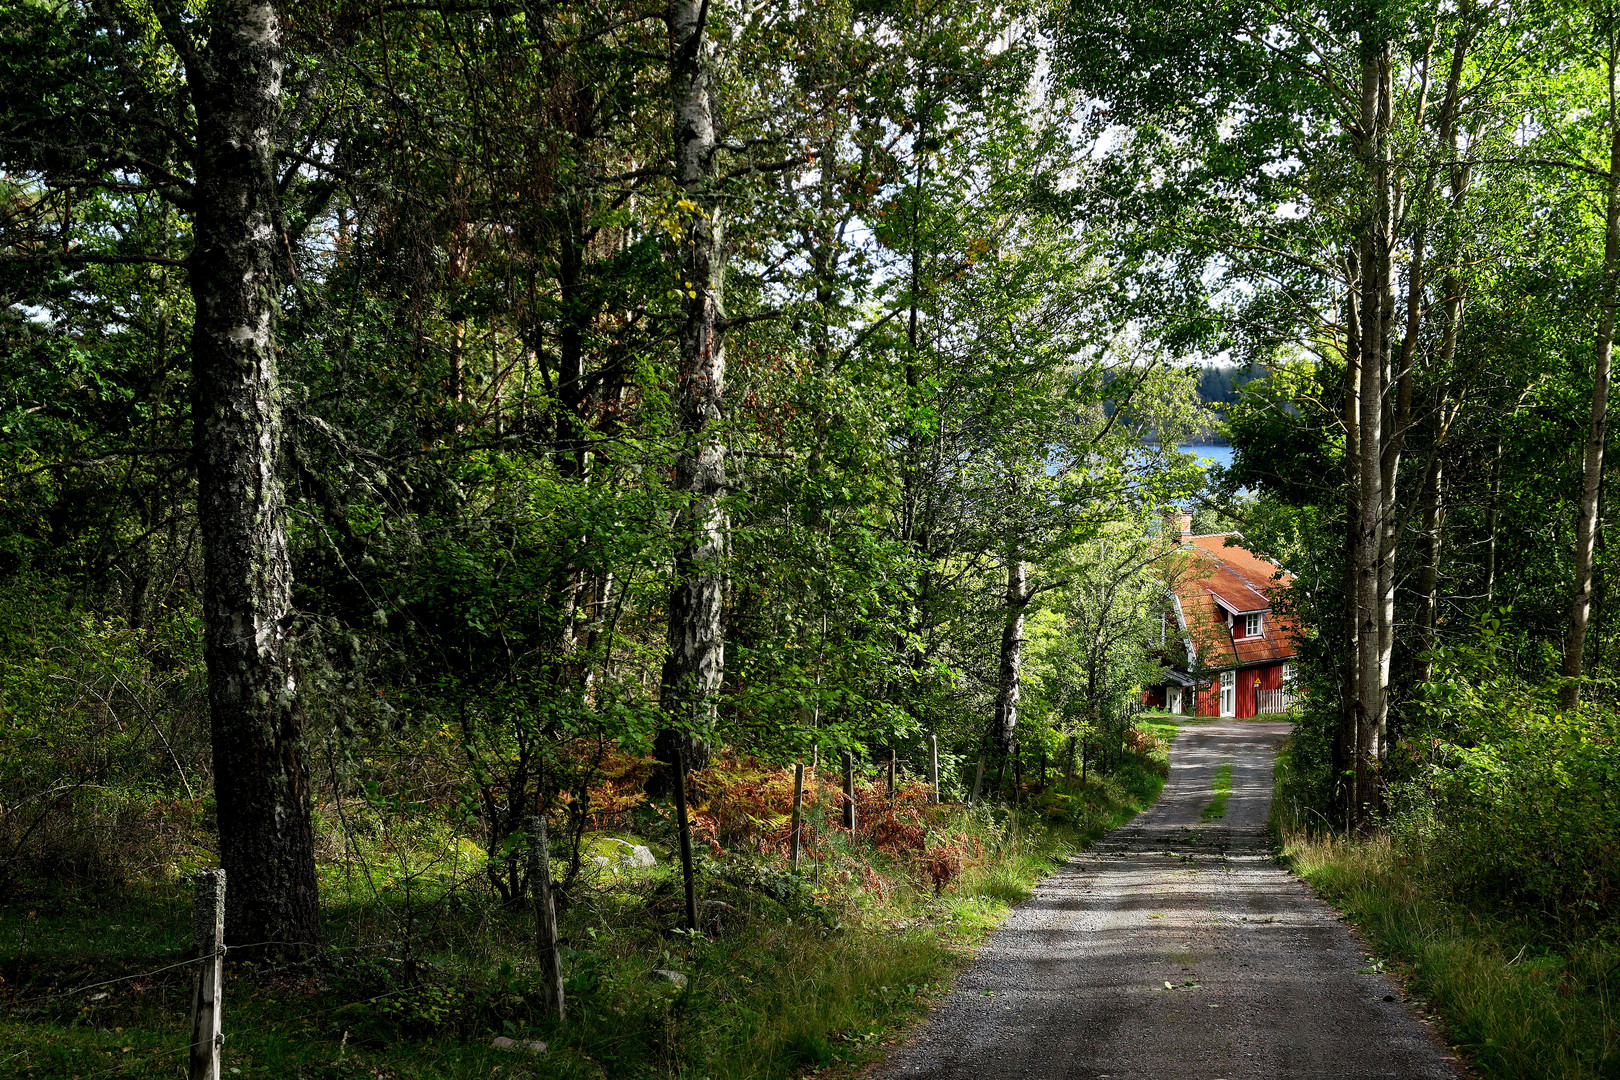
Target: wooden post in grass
[
  {"x": 208, "y": 937},
  {"x": 798, "y": 815},
  {"x": 545, "y": 918},
  {"x": 849, "y": 790},
  {"x": 892, "y": 764},
  {"x": 933, "y": 768},
  {"x": 684, "y": 825}
]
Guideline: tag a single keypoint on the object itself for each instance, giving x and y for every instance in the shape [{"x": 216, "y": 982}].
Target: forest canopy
[{"x": 463, "y": 413}]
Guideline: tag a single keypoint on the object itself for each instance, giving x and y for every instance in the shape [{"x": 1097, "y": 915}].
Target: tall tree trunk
[
  {"x": 574, "y": 399},
  {"x": 1493, "y": 524},
  {"x": 261, "y": 779},
  {"x": 1345, "y": 744},
  {"x": 695, "y": 664},
  {"x": 1429, "y": 570},
  {"x": 1012, "y": 650},
  {"x": 1371, "y": 537},
  {"x": 1586, "y": 522},
  {"x": 1453, "y": 289}
]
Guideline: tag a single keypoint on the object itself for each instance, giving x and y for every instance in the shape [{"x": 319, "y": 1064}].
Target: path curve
[{"x": 1073, "y": 986}]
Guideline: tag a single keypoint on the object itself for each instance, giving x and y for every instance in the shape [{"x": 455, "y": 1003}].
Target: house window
[
  {"x": 1228, "y": 693},
  {"x": 1252, "y": 625}
]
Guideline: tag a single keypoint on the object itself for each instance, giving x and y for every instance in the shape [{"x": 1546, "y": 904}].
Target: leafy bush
[
  {"x": 1510, "y": 800},
  {"x": 103, "y": 744}
]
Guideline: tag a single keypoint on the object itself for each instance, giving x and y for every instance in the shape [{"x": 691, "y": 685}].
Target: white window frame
[
  {"x": 1254, "y": 625},
  {"x": 1228, "y": 693}
]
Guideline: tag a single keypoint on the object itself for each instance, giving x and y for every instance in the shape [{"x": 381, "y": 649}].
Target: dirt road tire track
[{"x": 1073, "y": 986}]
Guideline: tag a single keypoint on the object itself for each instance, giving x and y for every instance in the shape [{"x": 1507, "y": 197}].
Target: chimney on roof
[{"x": 1177, "y": 524}]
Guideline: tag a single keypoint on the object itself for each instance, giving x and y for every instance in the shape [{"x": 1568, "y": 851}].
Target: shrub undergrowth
[
  {"x": 424, "y": 967},
  {"x": 1520, "y": 991}
]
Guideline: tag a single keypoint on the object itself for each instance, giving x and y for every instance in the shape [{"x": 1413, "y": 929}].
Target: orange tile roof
[{"x": 1217, "y": 575}]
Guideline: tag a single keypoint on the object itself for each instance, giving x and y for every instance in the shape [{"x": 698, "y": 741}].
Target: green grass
[
  {"x": 418, "y": 989},
  {"x": 1222, "y": 788},
  {"x": 765, "y": 998},
  {"x": 1516, "y": 999}
]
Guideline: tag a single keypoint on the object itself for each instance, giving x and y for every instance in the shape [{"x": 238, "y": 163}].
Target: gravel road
[{"x": 1267, "y": 982}]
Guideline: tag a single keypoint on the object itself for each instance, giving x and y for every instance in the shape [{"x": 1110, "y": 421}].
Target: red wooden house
[{"x": 1236, "y": 654}]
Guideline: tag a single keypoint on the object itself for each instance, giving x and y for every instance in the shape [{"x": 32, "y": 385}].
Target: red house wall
[
  {"x": 1268, "y": 677},
  {"x": 1209, "y": 696}
]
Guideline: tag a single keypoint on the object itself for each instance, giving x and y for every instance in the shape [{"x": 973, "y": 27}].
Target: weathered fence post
[
  {"x": 545, "y": 917},
  {"x": 684, "y": 824},
  {"x": 208, "y": 937},
  {"x": 892, "y": 764},
  {"x": 933, "y": 768},
  {"x": 849, "y": 790},
  {"x": 798, "y": 812}
]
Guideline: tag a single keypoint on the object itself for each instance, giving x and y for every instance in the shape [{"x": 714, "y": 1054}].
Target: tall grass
[
  {"x": 417, "y": 983},
  {"x": 1517, "y": 999}
]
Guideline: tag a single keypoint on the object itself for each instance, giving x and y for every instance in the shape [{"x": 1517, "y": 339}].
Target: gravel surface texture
[{"x": 1264, "y": 980}]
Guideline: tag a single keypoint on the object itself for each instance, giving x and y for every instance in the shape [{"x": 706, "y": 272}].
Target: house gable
[{"x": 1213, "y": 594}]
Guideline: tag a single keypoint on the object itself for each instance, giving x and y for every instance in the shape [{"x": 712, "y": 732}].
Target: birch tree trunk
[
  {"x": 1428, "y": 587},
  {"x": 1373, "y": 594},
  {"x": 1012, "y": 650},
  {"x": 1586, "y": 523},
  {"x": 695, "y": 664},
  {"x": 1452, "y": 286},
  {"x": 1345, "y": 745},
  {"x": 261, "y": 780}
]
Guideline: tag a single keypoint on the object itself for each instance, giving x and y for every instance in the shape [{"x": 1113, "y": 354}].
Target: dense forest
[{"x": 424, "y": 426}]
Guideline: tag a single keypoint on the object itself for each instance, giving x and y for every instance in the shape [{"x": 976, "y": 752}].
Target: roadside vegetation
[
  {"x": 1492, "y": 885},
  {"x": 425, "y": 968}
]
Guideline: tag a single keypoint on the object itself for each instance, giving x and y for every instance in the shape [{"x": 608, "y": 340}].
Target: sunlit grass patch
[{"x": 1222, "y": 787}]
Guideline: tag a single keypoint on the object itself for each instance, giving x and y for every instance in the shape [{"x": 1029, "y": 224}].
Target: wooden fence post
[
  {"x": 892, "y": 764},
  {"x": 798, "y": 815},
  {"x": 208, "y": 937},
  {"x": 849, "y": 790},
  {"x": 545, "y": 918},
  {"x": 933, "y": 768}
]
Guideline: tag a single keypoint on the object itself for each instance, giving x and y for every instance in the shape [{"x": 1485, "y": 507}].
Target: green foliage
[
  {"x": 103, "y": 749},
  {"x": 1513, "y": 1001},
  {"x": 1508, "y": 800}
]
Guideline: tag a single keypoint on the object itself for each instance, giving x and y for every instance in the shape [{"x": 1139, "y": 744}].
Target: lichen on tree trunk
[
  {"x": 260, "y": 775},
  {"x": 694, "y": 666}
]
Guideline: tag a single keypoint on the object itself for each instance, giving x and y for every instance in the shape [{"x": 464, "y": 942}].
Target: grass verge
[
  {"x": 1222, "y": 788},
  {"x": 1515, "y": 1000},
  {"x": 819, "y": 976}
]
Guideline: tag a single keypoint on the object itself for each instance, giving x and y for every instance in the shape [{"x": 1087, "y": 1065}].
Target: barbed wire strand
[
  {"x": 223, "y": 951},
  {"x": 156, "y": 1057}
]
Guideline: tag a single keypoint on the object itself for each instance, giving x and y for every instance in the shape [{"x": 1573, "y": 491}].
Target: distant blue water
[{"x": 1220, "y": 455}]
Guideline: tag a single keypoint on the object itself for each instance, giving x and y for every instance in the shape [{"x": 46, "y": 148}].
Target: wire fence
[
  {"x": 145, "y": 1060},
  {"x": 57, "y": 995}
]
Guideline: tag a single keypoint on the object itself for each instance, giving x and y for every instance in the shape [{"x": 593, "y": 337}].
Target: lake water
[{"x": 1220, "y": 455}]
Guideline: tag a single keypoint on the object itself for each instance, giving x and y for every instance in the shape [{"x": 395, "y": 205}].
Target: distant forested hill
[{"x": 1218, "y": 386}]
